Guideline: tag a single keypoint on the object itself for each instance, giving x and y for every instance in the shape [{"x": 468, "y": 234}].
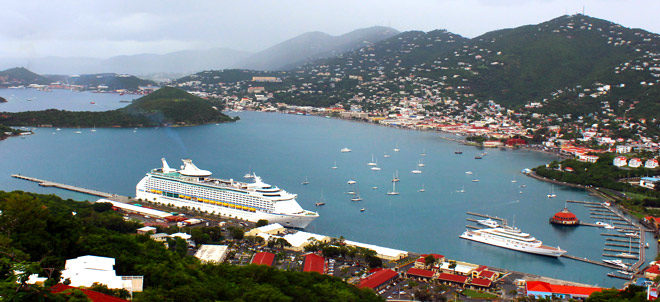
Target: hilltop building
[{"x": 86, "y": 270}]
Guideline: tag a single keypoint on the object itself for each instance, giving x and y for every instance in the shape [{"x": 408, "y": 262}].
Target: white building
[
  {"x": 649, "y": 182},
  {"x": 620, "y": 161},
  {"x": 651, "y": 163},
  {"x": 635, "y": 163},
  {"x": 211, "y": 253},
  {"x": 86, "y": 270},
  {"x": 623, "y": 149},
  {"x": 588, "y": 158}
]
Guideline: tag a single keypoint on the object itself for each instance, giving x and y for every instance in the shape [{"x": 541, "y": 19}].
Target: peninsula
[{"x": 166, "y": 106}]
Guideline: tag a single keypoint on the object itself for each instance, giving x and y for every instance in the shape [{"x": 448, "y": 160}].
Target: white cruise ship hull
[
  {"x": 286, "y": 220},
  {"x": 539, "y": 250}
]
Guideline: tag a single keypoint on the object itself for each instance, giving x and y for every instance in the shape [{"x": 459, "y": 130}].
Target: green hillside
[
  {"x": 21, "y": 76},
  {"x": 166, "y": 106},
  {"x": 39, "y": 233}
]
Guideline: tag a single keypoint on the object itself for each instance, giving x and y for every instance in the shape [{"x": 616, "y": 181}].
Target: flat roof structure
[
  {"x": 381, "y": 252},
  {"x": 211, "y": 253},
  {"x": 545, "y": 289},
  {"x": 136, "y": 209}
]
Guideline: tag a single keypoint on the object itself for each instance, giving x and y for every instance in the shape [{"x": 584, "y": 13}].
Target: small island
[
  {"x": 6, "y": 132},
  {"x": 3, "y": 100},
  {"x": 167, "y": 106}
]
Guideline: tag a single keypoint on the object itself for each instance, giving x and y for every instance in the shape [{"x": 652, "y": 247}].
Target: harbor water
[{"x": 288, "y": 149}]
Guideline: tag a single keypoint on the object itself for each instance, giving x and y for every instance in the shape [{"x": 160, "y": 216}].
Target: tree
[
  {"x": 236, "y": 232},
  {"x": 262, "y": 222},
  {"x": 452, "y": 265},
  {"x": 429, "y": 260}
]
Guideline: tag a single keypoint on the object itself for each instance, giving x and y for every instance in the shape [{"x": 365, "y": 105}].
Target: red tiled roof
[
  {"x": 486, "y": 274},
  {"x": 654, "y": 269},
  {"x": 436, "y": 256},
  {"x": 481, "y": 268},
  {"x": 314, "y": 263},
  {"x": 264, "y": 258},
  {"x": 92, "y": 295},
  {"x": 452, "y": 278},
  {"x": 420, "y": 272},
  {"x": 540, "y": 286},
  {"x": 481, "y": 282},
  {"x": 378, "y": 278}
]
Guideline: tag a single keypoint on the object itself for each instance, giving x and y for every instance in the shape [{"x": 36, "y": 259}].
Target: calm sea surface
[
  {"x": 286, "y": 149},
  {"x": 25, "y": 99}
]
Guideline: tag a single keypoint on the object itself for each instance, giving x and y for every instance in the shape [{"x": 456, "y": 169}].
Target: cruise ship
[
  {"x": 194, "y": 188},
  {"x": 512, "y": 238}
]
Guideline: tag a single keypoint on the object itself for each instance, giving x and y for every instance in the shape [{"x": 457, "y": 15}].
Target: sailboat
[
  {"x": 306, "y": 181},
  {"x": 420, "y": 163},
  {"x": 357, "y": 195},
  {"x": 320, "y": 202},
  {"x": 372, "y": 162},
  {"x": 393, "y": 192},
  {"x": 93, "y": 129},
  {"x": 423, "y": 152},
  {"x": 386, "y": 155},
  {"x": 461, "y": 190},
  {"x": 552, "y": 192},
  {"x": 422, "y": 189},
  {"x": 334, "y": 166},
  {"x": 396, "y": 148},
  {"x": 395, "y": 178}
]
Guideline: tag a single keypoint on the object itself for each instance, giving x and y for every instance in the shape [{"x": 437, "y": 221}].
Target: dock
[
  {"x": 621, "y": 251},
  {"x": 622, "y": 245},
  {"x": 46, "y": 183},
  {"x": 590, "y": 261},
  {"x": 617, "y": 256},
  {"x": 586, "y": 202},
  {"x": 487, "y": 216},
  {"x": 590, "y": 224}
]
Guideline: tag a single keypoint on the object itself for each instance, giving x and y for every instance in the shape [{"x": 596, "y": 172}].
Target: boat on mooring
[{"x": 512, "y": 238}]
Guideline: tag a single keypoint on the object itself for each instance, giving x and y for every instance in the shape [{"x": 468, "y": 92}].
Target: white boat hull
[
  {"x": 540, "y": 250},
  {"x": 287, "y": 220}
]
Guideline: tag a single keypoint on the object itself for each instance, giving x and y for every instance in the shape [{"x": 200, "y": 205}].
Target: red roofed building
[
  {"x": 452, "y": 278},
  {"x": 481, "y": 282},
  {"x": 421, "y": 262},
  {"x": 655, "y": 221},
  {"x": 564, "y": 217},
  {"x": 91, "y": 295},
  {"x": 652, "y": 272},
  {"x": 420, "y": 273},
  {"x": 378, "y": 279},
  {"x": 540, "y": 289},
  {"x": 314, "y": 263},
  {"x": 263, "y": 258},
  {"x": 515, "y": 141}
]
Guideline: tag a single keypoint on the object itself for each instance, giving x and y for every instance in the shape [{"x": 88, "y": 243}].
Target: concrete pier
[{"x": 46, "y": 183}]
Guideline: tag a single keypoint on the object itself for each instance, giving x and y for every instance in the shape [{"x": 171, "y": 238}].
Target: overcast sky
[{"x": 108, "y": 28}]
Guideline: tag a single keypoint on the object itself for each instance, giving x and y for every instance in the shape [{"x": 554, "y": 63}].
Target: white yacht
[
  {"x": 350, "y": 182},
  {"x": 616, "y": 262},
  {"x": 488, "y": 222},
  {"x": 191, "y": 187},
  {"x": 416, "y": 171},
  {"x": 512, "y": 238},
  {"x": 345, "y": 150}
]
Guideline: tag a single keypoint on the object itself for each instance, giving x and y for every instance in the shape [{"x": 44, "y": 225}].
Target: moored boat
[{"x": 513, "y": 239}]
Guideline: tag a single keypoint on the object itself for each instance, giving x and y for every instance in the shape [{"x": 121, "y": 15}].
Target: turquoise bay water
[
  {"x": 286, "y": 149},
  {"x": 25, "y": 99}
]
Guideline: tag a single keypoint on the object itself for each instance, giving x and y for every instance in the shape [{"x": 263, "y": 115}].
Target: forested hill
[
  {"x": 39, "y": 232},
  {"x": 571, "y": 64},
  {"x": 166, "y": 106}
]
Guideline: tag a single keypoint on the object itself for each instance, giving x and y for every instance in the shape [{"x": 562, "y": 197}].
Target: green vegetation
[
  {"x": 604, "y": 175},
  {"x": 8, "y": 131},
  {"x": 22, "y": 76},
  {"x": 166, "y": 106},
  {"x": 631, "y": 293},
  {"x": 39, "y": 232},
  {"x": 478, "y": 295},
  {"x": 111, "y": 80}
]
